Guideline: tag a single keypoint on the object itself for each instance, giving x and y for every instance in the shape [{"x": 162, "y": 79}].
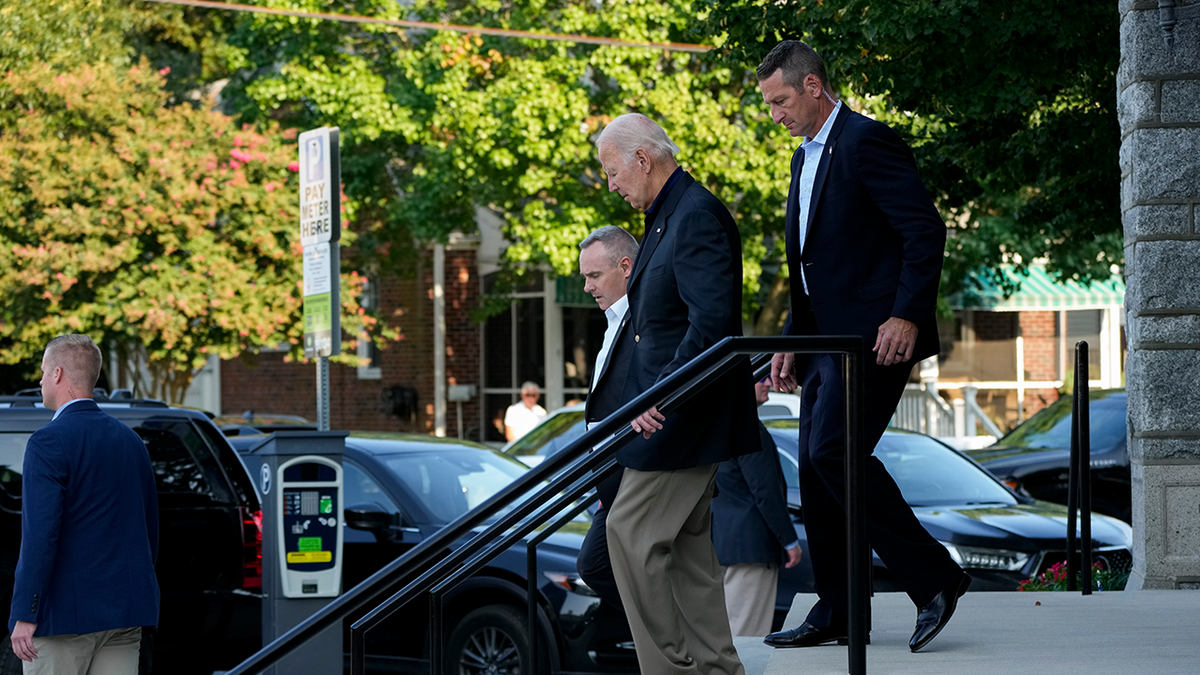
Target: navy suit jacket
[
  {"x": 89, "y": 527},
  {"x": 685, "y": 295},
  {"x": 750, "y": 521},
  {"x": 604, "y": 399},
  {"x": 874, "y": 242}
]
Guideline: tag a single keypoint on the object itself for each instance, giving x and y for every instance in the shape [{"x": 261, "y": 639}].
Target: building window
[
  {"x": 514, "y": 351},
  {"x": 367, "y": 349}
]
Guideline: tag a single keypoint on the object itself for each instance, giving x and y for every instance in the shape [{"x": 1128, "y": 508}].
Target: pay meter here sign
[{"x": 320, "y": 230}]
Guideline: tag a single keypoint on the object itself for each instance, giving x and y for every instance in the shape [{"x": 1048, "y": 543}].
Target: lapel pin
[{"x": 659, "y": 230}]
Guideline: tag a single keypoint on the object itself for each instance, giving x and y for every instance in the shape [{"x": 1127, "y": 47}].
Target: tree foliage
[
  {"x": 437, "y": 124},
  {"x": 1010, "y": 107},
  {"x": 144, "y": 225}
]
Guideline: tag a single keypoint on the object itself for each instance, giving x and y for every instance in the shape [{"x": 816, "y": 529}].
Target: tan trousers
[
  {"x": 108, "y": 652},
  {"x": 750, "y": 597},
  {"x": 660, "y": 545}
]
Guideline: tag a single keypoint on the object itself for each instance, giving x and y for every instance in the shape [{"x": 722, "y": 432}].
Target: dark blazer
[
  {"x": 874, "y": 242},
  {"x": 605, "y": 398},
  {"x": 750, "y": 521},
  {"x": 685, "y": 295},
  {"x": 89, "y": 527}
]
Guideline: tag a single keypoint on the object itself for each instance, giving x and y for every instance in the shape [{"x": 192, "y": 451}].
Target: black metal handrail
[
  {"x": 565, "y": 471},
  {"x": 1079, "y": 476}
]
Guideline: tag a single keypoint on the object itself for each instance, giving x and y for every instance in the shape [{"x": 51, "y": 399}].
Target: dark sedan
[
  {"x": 1033, "y": 458},
  {"x": 1003, "y": 538},
  {"x": 1000, "y": 537},
  {"x": 400, "y": 489}
]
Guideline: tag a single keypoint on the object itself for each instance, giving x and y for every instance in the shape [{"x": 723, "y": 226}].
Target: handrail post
[
  {"x": 858, "y": 553},
  {"x": 436, "y": 643},
  {"x": 1073, "y": 479},
  {"x": 1083, "y": 432}
]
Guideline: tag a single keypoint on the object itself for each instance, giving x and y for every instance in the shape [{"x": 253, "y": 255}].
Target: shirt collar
[
  {"x": 662, "y": 194},
  {"x": 617, "y": 310},
  {"x": 63, "y": 407},
  {"x": 823, "y": 134}
]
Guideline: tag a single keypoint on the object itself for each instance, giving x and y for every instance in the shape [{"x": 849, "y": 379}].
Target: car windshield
[
  {"x": 550, "y": 436},
  {"x": 930, "y": 474},
  {"x": 451, "y": 482},
  {"x": 1051, "y": 428}
]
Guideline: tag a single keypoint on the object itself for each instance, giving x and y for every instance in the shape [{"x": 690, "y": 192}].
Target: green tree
[
  {"x": 1009, "y": 106},
  {"x": 436, "y": 124},
  {"x": 168, "y": 232}
]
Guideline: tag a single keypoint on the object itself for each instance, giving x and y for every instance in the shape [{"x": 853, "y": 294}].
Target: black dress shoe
[
  {"x": 807, "y": 635},
  {"x": 933, "y": 617}
]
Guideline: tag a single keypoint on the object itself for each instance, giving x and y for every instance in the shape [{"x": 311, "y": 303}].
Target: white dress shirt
[
  {"x": 813, "y": 147},
  {"x": 616, "y": 314}
]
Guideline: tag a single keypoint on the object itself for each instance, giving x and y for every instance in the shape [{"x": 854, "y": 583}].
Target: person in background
[
  {"x": 84, "y": 586},
  {"x": 752, "y": 532},
  {"x": 522, "y": 416}
]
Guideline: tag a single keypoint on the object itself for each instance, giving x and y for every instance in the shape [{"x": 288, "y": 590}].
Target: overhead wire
[{"x": 428, "y": 25}]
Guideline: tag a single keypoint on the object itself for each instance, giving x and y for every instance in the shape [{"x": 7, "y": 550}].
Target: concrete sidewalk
[{"x": 1156, "y": 632}]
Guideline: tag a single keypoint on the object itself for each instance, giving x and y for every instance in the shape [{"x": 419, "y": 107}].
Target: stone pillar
[{"x": 1158, "y": 104}]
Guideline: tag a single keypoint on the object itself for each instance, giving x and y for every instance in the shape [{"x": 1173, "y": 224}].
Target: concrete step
[{"x": 1156, "y": 632}]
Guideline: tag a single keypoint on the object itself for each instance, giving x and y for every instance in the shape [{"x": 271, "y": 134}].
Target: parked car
[
  {"x": 210, "y": 547},
  {"x": 1000, "y": 537},
  {"x": 566, "y": 424},
  {"x": 399, "y": 490},
  {"x": 1033, "y": 458}
]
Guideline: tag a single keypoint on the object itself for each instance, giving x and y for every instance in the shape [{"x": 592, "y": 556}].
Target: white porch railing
[{"x": 921, "y": 409}]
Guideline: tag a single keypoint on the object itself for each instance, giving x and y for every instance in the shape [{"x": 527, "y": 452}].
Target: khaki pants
[
  {"x": 108, "y": 652},
  {"x": 750, "y": 597},
  {"x": 660, "y": 545}
]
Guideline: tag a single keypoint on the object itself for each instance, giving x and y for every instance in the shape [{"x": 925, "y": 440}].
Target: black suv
[{"x": 210, "y": 545}]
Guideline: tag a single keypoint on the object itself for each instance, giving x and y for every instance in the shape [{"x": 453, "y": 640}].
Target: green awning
[
  {"x": 568, "y": 292},
  {"x": 1039, "y": 291}
]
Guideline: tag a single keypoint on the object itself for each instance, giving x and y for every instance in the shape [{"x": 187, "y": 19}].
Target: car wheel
[{"x": 491, "y": 640}]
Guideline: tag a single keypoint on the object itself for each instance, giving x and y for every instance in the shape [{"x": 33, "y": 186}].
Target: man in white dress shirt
[{"x": 605, "y": 260}]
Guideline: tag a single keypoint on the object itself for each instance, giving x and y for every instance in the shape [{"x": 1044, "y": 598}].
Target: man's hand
[
  {"x": 896, "y": 341},
  {"x": 648, "y": 422},
  {"x": 793, "y": 555},
  {"x": 22, "y": 640},
  {"x": 783, "y": 372}
]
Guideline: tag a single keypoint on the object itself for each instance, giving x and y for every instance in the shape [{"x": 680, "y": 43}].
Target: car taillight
[{"x": 252, "y": 551}]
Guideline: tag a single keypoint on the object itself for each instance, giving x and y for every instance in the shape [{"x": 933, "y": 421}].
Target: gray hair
[
  {"x": 797, "y": 61},
  {"x": 79, "y": 358},
  {"x": 617, "y": 243},
  {"x": 529, "y": 385},
  {"x": 631, "y": 131}
]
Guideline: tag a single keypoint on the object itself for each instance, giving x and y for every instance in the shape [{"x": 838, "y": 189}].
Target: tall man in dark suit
[
  {"x": 865, "y": 247},
  {"x": 606, "y": 261},
  {"x": 84, "y": 585},
  {"x": 685, "y": 294}
]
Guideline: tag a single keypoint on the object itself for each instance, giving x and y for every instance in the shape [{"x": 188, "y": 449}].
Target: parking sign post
[{"x": 320, "y": 230}]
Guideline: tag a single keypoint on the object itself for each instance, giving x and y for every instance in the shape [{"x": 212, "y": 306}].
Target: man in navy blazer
[
  {"x": 752, "y": 532},
  {"x": 865, "y": 247},
  {"x": 84, "y": 585},
  {"x": 685, "y": 295}
]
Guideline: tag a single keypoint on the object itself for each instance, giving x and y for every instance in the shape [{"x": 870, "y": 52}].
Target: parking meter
[
  {"x": 309, "y": 501},
  {"x": 300, "y": 487}
]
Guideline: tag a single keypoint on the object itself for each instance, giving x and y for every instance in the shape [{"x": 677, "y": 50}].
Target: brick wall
[{"x": 265, "y": 384}]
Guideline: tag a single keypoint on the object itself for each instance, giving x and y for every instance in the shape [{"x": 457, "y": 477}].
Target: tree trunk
[{"x": 775, "y": 307}]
